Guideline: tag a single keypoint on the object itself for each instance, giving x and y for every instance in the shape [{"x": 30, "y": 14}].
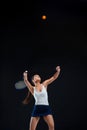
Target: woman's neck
[{"x": 37, "y": 84}]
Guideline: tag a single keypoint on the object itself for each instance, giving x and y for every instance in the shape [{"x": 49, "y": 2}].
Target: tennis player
[{"x": 41, "y": 106}]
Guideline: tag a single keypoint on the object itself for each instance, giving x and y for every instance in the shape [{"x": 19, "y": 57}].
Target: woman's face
[{"x": 36, "y": 78}]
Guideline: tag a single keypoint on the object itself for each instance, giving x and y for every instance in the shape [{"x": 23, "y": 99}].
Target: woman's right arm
[{"x": 28, "y": 84}]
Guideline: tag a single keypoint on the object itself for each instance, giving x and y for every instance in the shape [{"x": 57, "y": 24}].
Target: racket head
[{"x": 20, "y": 85}]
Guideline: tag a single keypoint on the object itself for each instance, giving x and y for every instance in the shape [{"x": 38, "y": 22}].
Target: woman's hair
[{"x": 29, "y": 95}]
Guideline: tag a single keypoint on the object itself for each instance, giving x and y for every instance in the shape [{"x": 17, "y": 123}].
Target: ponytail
[{"x": 27, "y": 99}]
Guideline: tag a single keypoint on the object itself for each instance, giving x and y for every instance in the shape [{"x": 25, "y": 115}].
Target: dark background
[{"x": 29, "y": 43}]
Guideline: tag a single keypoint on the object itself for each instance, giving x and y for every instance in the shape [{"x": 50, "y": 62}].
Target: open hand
[
  {"x": 58, "y": 68},
  {"x": 25, "y": 74}
]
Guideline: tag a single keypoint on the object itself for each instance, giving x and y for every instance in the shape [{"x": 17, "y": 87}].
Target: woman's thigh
[
  {"x": 33, "y": 123},
  {"x": 49, "y": 120}
]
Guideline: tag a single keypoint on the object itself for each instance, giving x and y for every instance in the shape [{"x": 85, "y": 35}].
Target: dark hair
[
  {"x": 29, "y": 95},
  {"x": 27, "y": 98}
]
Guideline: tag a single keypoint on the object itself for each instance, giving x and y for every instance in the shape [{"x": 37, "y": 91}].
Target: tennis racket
[{"x": 20, "y": 84}]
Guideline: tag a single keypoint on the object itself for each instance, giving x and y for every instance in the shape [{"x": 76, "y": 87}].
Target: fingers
[
  {"x": 25, "y": 73},
  {"x": 58, "y": 68}
]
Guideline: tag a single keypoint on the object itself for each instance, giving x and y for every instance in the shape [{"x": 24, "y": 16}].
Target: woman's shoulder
[{"x": 43, "y": 84}]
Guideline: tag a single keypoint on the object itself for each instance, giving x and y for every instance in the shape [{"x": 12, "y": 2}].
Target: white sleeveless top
[{"x": 41, "y": 98}]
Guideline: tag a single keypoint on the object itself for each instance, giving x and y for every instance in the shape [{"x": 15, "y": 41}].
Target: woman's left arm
[{"x": 53, "y": 78}]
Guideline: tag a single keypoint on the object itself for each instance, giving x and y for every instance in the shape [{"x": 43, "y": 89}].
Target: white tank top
[{"x": 41, "y": 98}]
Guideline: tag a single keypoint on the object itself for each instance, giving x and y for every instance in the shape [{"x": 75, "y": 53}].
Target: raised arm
[
  {"x": 53, "y": 78},
  {"x": 26, "y": 81}
]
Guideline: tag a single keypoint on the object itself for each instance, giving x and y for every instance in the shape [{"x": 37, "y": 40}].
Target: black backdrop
[{"x": 29, "y": 43}]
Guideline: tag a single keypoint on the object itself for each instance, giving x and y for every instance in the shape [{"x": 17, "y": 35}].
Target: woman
[{"x": 39, "y": 91}]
